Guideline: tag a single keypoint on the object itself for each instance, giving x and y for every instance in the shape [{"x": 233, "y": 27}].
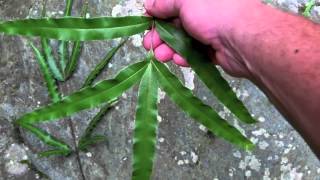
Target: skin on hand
[
  {"x": 209, "y": 32},
  {"x": 276, "y": 50}
]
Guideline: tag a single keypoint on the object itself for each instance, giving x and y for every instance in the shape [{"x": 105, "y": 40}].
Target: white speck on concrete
[
  {"x": 25, "y": 157},
  {"x": 89, "y": 154},
  {"x": 188, "y": 75},
  {"x": 279, "y": 143},
  {"x": 161, "y": 140},
  {"x": 231, "y": 171},
  {"x": 250, "y": 161},
  {"x": 254, "y": 140},
  {"x": 180, "y": 162},
  {"x": 248, "y": 173},
  {"x": 183, "y": 153},
  {"x": 245, "y": 94},
  {"x": 284, "y": 160},
  {"x": 222, "y": 114},
  {"x": 291, "y": 138},
  {"x": 287, "y": 150},
  {"x": 186, "y": 161},
  {"x": 203, "y": 128},
  {"x": 259, "y": 132},
  {"x": 159, "y": 118},
  {"x": 124, "y": 96},
  {"x": 237, "y": 154},
  {"x": 266, "y": 175},
  {"x": 116, "y": 10},
  {"x": 281, "y": 135},
  {"x": 266, "y": 135},
  {"x": 161, "y": 95},
  {"x": 254, "y": 163},
  {"x": 263, "y": 145},
  {"x": 261, "y": 119},
  {"x": 226, "y": 110},
  {"x": 131, "y": 125},
  {"x": 194, "y": 157}
]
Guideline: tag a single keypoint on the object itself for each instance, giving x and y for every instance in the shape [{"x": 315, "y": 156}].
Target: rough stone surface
[{"x": 184, "y": 151}]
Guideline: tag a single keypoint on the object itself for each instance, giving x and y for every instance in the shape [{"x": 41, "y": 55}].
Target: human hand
[{"x": 209, "y": 21}]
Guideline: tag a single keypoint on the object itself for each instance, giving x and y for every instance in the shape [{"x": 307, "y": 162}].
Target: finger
[
  {"x": 162, "y": 8},
  {"x": 152, "y": 40},
  {"x": 163, "y": 53},
  {"x": 177, "y": 59}
]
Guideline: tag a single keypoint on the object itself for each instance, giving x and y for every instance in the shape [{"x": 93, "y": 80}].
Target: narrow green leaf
[
  {"x": 145, "y": 133},
  {"x": 204, "y": 68},
  {"x": 68, "y": 9},
  {"x": 48, "y": 139},
  {"x": 63, "y": 53},
  {"x": 92, "y": 140},
  {"x": 50, "y": 82},
  {"x": 86, "y": 138},
  {"x": 78, "y": 29},
  {"x": 74, "y": 58},
  {"x": 63, "y": 48},
  {"x": 54, "y": 153},
  {"x": 76, "y": 51},
  {"x": 98, "y": 118},
  {"x": 88, "y": 97},
  {"x": 47, "y": 52},
  {"x": 101, "y": 66},
  {"x": 202, "y": 113}
]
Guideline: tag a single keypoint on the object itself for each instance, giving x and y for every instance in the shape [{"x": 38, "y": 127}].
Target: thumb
[{"x": 162, "y": 8}]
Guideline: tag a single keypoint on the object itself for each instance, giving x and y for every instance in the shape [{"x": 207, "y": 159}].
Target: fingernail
[{"x": 149, "y": 4}]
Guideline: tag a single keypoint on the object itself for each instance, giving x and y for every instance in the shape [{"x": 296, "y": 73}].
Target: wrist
[{"x": 238, "y": 36}]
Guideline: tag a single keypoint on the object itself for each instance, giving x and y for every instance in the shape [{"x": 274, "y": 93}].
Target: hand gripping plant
[{"x": 149, "y": 73}]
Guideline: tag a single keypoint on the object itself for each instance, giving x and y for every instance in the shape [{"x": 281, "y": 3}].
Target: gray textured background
[{"x": 184, "y": 151}]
